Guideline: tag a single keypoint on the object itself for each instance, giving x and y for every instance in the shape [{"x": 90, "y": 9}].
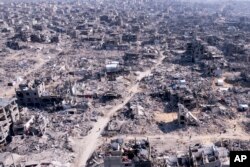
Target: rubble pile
[
  {"x": 133, "y": 118},
  {"x": 71, "y": 123},
  {"x": 73, "y": 73}
]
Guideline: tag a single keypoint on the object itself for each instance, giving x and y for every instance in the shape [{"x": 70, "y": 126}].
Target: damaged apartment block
[
  {"x": 133, "y": 154},
  {"x": 9, "y": 114},
  {"x": 200, "y": 155},
  {"x": 33, "y": 94},
  {"x": 205, "y": 156}
]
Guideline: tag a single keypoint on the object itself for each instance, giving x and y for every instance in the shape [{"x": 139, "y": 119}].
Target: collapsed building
[
  {"x": 131, "y": 58},
  {"x": 110, "y": 95},
  {"x": 176, "y": 93},
  {"x": 13, "y": 45},
  {"x": 129, "y": 37}
]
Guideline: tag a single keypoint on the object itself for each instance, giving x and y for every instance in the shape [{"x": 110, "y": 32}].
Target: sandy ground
[
  {"x": 40, "y": 60},
  {"x": 176, "y": 142}
]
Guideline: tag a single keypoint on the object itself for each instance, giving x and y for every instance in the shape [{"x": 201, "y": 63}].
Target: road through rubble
[{"x": 86, "y": 146}]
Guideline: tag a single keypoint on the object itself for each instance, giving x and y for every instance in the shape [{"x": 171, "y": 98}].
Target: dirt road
[
  {"x": 206, "y": 137},
  {"x": 87, "y": 145}
]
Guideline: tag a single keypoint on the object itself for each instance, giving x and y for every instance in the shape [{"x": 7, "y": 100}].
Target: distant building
[
  {"x": 131, "y": 56},
  {"x": 129, "y": 37},
  {"x": 112, "y": 67}
]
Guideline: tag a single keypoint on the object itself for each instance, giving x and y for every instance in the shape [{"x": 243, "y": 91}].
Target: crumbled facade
[{"x": 9, "y": 114}]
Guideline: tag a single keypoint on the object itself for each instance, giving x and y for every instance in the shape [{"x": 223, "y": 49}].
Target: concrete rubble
[
  {"x": 196, "y": 154},
  {"x": 84, "y": 83}
]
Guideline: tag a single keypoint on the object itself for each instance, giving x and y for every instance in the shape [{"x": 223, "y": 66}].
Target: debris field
[{"x": 144, "y": 83}]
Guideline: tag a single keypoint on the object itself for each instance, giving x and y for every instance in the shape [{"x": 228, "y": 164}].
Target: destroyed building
[
  {"x": 33, "y": 94},
  {"x": 110, "y": 95},
  {"x": 134, "y": 154},
  {"x": 185, "y": 117},
  {"x": 129, "y": 37},
  {"x": 9, "y": 114},
  {"x": 177, "y": 93},
  {"x": 131, "y": 57},
  {"x": 13, "y": 45},
  {"x": 205, "y": 156},
  {"x": 199, "y": 155}
]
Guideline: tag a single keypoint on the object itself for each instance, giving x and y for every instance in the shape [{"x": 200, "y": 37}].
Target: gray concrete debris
[{"x": 75, "y": 75}]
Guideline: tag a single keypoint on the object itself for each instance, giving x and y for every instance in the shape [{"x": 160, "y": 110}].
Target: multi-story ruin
[
  {"x": 9, "y": 114},
  {"x": 133, "y": 154},
  {"x": 202, "y": 156},
  {"x": 33, "y": 94},
  {"x": 29, "y": 93}
]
